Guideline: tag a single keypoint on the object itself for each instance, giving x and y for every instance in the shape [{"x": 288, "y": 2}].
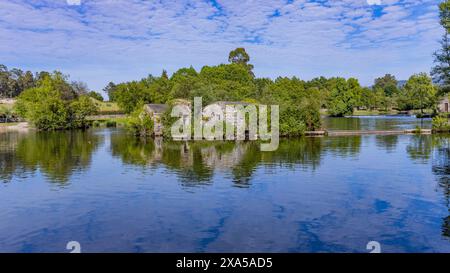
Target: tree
[
  {"x": 79, "y": 110},
  {"x": 79, "y": 88},
  {"x": 441, "y": 72},
  {"x": 240, "y": 56},
  {"x": 48, "y": 106},
  {"x": 4, "y": 78},
  {"x": 290, "y": 124},
  {"x": 110, "y": 89},
  {"x": 140, "y": 123},
  {"x": 95, "y": 95},
  {"x": 132, "y": 94},
  {"x": 388, "y": 83},
  {"x": 420, "y": 91},
  {"x": 344, "y": 96},
  {"x": 368, "y": 99}
]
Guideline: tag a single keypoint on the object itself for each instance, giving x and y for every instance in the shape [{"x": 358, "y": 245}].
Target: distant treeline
[{"x": 14, "y": 81}]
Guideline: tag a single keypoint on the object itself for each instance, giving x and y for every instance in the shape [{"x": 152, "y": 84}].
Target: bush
[
  {"x": 80, "y": 109},
  {"x": 167, "y": 121},
  {"x": 95, "y": 95},
  {"x": 48, "y": 107},
  {"x": 291, "y": 123},
  {"x": 140, "y": 123},
  {"x": 111, "y": 123},
  {"x": 440, "y": 124}
]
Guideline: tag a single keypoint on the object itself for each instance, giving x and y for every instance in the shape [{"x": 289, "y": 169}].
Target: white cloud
[
  {"x": 127, "y": 39},
  {"x": 74, "y": 2},
  {"x": 374, "y": 2}
]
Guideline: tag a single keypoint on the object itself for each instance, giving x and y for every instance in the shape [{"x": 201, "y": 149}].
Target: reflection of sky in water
[
  {"x": 334, "y": 197},
  {"x": 376, "y": 123}
]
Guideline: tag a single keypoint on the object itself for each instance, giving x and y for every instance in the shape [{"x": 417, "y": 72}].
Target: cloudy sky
[{"x": 98, "y": 41}]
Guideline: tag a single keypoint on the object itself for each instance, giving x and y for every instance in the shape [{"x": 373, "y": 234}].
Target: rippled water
[{"x": 114, "y": 193}]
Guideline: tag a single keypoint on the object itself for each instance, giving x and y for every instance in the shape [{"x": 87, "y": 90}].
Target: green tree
[
  {"x": 48, "y": 106},
  {"x": 388, "y": 83},
  {"x": 241, "y": 57},
  {"x": 80, "y": 109},
  {"x": 441, "y": 72},
  {"x": 95, "y": 95},
  {"x": 420, "y": 91},
  {"x": 344, "y": 96},
  {"x": 140, "y": 123},
  {"x": 110, "y": 89},
  {"x": 290, "y": 124}
]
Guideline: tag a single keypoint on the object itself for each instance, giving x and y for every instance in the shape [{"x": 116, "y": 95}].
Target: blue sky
[{"x": 102, "y": 40}]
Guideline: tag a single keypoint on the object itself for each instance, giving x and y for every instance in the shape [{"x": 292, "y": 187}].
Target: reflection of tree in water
[
  {"x": 132, "y": 150},
  {"x": 342, "y": 123},
  {"x": 343, "y": 146},
  {"x": 291, "y": 153},
  {"x": 419, "y": 148},
  {"x": 441, "y": 168},
  {"x": 186, "y": 159},
  {"x": 56, "y": 154},
  {"x": 196, "y": 162},
  {"x": 389, "y": 142},
  {"x": 9, "y": 163}
]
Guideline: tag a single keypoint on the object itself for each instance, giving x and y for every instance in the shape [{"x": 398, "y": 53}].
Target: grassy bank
[
  {"x": 4, "y": 108},
  {"x": 374, "y": 112},
  {"x": 7, "y": 124},
  {"x": 107, "y": 108}
]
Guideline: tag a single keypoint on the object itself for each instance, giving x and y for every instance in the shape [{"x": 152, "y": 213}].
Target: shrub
[
  {"x": 140, "y": 123},
  {"x": 50, "y": 107},
  {"x": 440, "y": 123},
  {"x": 290, "y": 122},
  {"x": 80, "y": 109},
  {"x": 111, "y": 123}
]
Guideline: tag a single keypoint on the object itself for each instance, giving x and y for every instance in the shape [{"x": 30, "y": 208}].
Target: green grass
[
  {"x": 374, "y": 112},
  {"x": 106, "y": 107},
  {"x": 6, "y": 107},
  {"x": 99, "y": 121},
  {"x": 8, "y": 124}
]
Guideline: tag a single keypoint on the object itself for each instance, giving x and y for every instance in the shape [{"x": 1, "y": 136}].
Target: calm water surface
[
  {"x": 377, "y": 123},
  {"x": 113, "y": 193}
]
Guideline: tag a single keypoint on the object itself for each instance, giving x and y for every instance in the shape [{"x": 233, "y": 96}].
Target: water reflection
[
  {"x": 420, "y": 147},
  {"x": 196, "y": 162},
  {"x": 388, "y": 142},
  {"x": 376, "y": 123},
  {"x": 224, "y": 196},
  {"x": 344, "y": 146},
  {"x": 56, "y": 154},
  {"x": 441, "y": 168}
]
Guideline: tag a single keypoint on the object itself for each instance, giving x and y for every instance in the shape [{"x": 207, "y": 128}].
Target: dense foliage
[
  {"x": 140, "y": 123},
  {"x": 13, "y": 82},
  {"x": 300, "y": 101},
  {"x": 95, "y": 95},
  {"x": 51, "y": 102},
  {"x": 54, "y": 104},
  {"x": 441, "y": 72},
  {"x": 440, "y": 124}
]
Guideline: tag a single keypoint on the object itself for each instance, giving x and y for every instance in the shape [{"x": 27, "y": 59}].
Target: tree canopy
[
  {"x": 441, "y": 70},
  {"x": 54, "y": 104}
]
